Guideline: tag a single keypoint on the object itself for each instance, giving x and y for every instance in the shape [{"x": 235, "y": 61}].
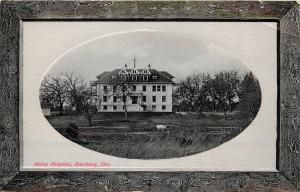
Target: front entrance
[
  {"x": 134, "y": 99},
  {"x": 153, "y": 108},
  {"x": 144, "y": 107}
]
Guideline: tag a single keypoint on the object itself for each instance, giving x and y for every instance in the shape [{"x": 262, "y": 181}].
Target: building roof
[
  {"x": 167, "y": 74},
  {"x": 102, "y": 74},
  {"x": 162, "y": 76}
]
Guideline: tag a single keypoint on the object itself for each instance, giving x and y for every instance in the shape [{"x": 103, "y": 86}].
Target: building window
[
  {"x": 123, "y": 71},
  {"x": 134, "y": 72},
  {"x": 133, "y": 88},
  {"x": 134, "y": 99},
  {"x": 153, "y": 88},
  {"x": 163, "y": 107},
  {"x": 145, "y": 77},
  {"x": 123, "y": 77},
  {"x": 153, "y": 107},
  {"x": 134, "y": 77},
  {"x": 144, "y": 98},
  {"x": 145, "y": 71},
  {"x": 114, "y": 88},
  {"x": 114, "y": 107},
  {"x": 163, "y": 98},
  {"x": 158, "y": 87},
  {"x": 104, "y": 107},
  {"x": 154, "y": 77},
  {"x": 105, "y": 88},
  {"x": 163, "y": 87},
  {"x": 144, "y": 88},
  {"x": 153, "y": 98},
  {"x": 104, "y": 98},
  {"x": 115, "y": 99},
  {"x": 113, "y": 77}
]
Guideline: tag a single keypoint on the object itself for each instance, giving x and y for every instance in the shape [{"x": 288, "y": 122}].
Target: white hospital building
[{"x": 151, "y": 90}]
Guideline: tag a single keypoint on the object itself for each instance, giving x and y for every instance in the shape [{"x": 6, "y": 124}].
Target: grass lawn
[{"x": 139, "y": 139}]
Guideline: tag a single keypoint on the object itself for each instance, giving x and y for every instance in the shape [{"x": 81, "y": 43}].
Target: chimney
[{"x": 149, "y": 66}]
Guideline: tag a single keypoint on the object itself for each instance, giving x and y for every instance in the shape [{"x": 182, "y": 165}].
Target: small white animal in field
[{"x": 161, "y": 127}]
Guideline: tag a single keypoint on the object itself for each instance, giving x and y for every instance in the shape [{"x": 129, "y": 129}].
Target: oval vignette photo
[{"x": 149, "y": 95}]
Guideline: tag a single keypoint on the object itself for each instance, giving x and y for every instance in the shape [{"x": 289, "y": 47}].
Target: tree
[
  {"x": 123, "y": 90},
  {"x": 223, "y": 88},
  {"x": 192, "y": 93},
  {"x": 53, "y": 91},
  {"x": 250, "y": 96},
  {"x": 75, "y": 86},
  {"x": 91, "y": 102}
]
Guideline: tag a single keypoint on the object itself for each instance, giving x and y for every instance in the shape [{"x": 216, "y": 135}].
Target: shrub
[{"x": 72, "y": 130}]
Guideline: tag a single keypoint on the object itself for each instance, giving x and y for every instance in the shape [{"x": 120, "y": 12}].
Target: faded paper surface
[{"x": 253, "y": 43}]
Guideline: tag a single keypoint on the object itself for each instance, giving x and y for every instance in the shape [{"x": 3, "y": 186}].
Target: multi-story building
[{"x": 150, "y": 90}]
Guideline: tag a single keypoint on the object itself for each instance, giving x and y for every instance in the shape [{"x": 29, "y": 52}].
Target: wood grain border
[{"x": 286, "y": 13}]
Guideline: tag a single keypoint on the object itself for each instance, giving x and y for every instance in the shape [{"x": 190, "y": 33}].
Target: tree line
[
  {"x": 68, "y": 93},
  {"x": 223, "y": 91}
]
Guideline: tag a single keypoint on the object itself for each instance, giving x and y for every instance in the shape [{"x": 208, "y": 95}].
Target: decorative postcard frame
[{"x": 286, "y": 14}]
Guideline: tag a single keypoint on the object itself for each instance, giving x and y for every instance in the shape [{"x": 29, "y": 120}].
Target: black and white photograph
[{"x": 149, "y": 95}]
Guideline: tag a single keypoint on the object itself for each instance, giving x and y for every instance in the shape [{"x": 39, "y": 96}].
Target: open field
[{"x": 139, "y": 139}]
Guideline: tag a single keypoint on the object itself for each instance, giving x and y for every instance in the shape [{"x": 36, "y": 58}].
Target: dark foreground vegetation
[{"x": 138, "y": 138}]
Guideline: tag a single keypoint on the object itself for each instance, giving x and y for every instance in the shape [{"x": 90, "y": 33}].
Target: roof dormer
[
  {"x": 145, "y": 72},
  {"x": 123, "y": 72},
  {"x": 134, "y": 72}
]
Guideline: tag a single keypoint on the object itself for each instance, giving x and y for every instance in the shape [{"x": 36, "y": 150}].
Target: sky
[{"x": 175, "y": 53}]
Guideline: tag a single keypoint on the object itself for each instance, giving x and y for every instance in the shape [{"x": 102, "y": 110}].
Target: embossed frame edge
[{"x": 285, "y": 13}]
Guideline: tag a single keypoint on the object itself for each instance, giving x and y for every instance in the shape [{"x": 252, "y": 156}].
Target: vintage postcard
[{"x": 154, "y": 96}]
